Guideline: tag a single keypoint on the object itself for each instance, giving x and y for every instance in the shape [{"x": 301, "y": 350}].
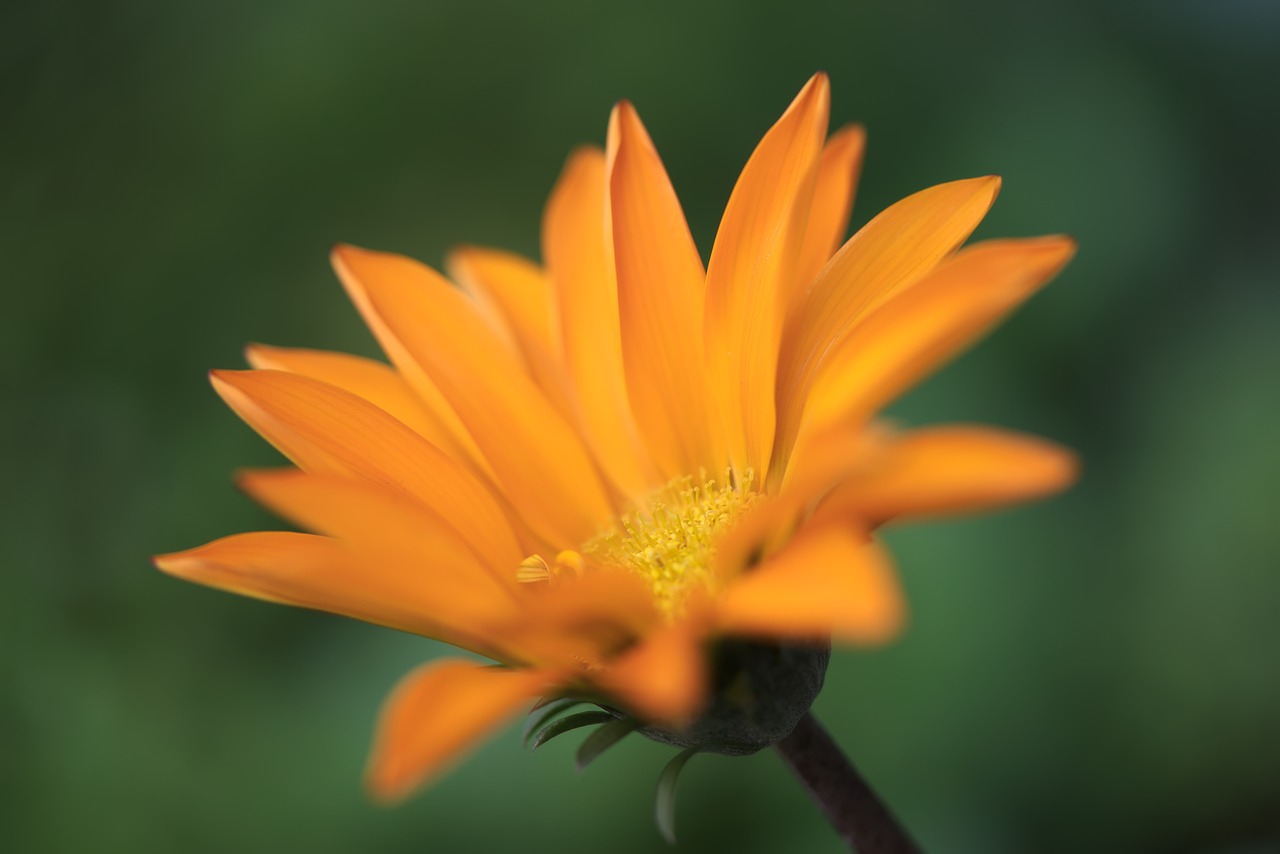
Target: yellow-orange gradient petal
[
  {"x": 435, "y": 714},
  {"x": 577, "y": 251},
  {"x": 955, "y": 469},
  {"x": 833, "y": 194},
  {"x": 376, "y": 518},
  {"x": 516, "y": 296},
  {"x": 660, "y": 294},
  {"x": 924, "y": 327},
  {"x": 325, "y": 574},
  {"x": 375, "y": 382},
  {"x": 535, "y": 453},
  {"x": 326, "y": 430},
  {"x": 890, "y": 252},
  {"x": 751, "y": 273},
  {"x": 829, "y": 581},
  {"x": 664, "y": 678}
]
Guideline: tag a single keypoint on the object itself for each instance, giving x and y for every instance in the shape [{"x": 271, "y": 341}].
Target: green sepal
[
  {"x": 604, "y": 738},
  {"x": 664, "y": 807},
  {"x": 550, "y": 711},
  {"x": 567, "y": 724}
]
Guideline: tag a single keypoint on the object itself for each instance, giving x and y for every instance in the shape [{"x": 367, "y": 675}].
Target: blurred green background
[{"x": 1100, "y": 672}]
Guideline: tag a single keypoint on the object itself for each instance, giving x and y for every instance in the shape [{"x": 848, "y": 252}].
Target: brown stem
[{"x": 862, "y": 820}]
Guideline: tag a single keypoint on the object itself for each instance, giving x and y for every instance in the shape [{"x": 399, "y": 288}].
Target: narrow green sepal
[
  {"x": 664, "y": 808},
  {"x": 567, "y": 724},
  {"x": 543, "y": 702},
  {"x": 604, "y": 738},
  {"x": 550, "y": 711}
]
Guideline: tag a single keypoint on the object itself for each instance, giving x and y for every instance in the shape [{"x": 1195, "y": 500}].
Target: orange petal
[
  {"x": 664, "y": 678},
  {"x": 326, "y": 430},
  {"x": 577, "y": 250},
  {"x": 516, "y": 296},
  {"x": 924, "y": 327},
  {"x": 375, "y": 382},
  {"x": 945, "y": 470},
  {"x": 316, "y": 572},
  {"x": 827, "y": 582},
  {"x": 536, "y": 455},
  {"x": 584, "y": 620},
  {"x": 435, "y": 714},
  {"x": 660, "y": 293},
  {"x": 752, "y": 268},
  {"x": 770, "y": 523},
  {"x": 832, "y": 204},
  {"x": 375, "y": 517},
  {"x": 461, "y": 443},
  {"x": 887, "y": 254}
]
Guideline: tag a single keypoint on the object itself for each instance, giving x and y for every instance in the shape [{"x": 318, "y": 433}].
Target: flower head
[{"x": 621, "y": 475}]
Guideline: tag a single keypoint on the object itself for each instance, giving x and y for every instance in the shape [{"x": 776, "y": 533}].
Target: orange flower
[{"x": 590, "y": 470}]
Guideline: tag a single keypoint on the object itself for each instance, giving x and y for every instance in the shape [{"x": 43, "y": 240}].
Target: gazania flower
[{"x": 626, "y": 477}]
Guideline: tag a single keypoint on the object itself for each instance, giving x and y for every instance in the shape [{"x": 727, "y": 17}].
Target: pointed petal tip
[
  {"x": 254, "y": 352},
  {"x": 344, "y": 255},
  {"x": 853, "y": 133},
  {"x": 385, "y": 788},
  {"x": 1052, "y": 252},
  {"x": 225, "y": 379},
  {"x": 248, "y": 479},
  {"x": 819, "y": 84},
  {"x": 179, "y": 564},
  {"x": 164, "y": 562}
]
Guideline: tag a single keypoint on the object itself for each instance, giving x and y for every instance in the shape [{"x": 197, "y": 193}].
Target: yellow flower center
[{"x": 671, "y": 540}]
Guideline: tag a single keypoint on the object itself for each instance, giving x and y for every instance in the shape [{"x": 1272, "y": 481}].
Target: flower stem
[{"x": 858, "y": 815}]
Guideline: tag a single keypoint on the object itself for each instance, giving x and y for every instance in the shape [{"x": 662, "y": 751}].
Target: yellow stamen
[{"x": 670, "y": 542}]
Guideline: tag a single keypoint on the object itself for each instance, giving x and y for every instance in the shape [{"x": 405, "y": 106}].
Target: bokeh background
[{"x": 1099, "y": 672}]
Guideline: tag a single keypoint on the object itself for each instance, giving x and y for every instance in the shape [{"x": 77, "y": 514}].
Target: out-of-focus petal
[
  {"x": 886, "y": 255},
  {"x": 436, "y": 714},
  {"x": 829, "y": 581},
  {"x": 585, "y": 619},
  {"x": 954, "y": 469},
  {"x": 664, "y": 677},
  {"x": 926, "y": 326}
]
